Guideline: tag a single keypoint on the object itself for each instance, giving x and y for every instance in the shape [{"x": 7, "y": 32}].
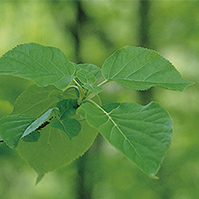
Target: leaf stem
[
  {"x": 81, "y": 92},
  {"x": 91, "y": 95},
  {"x": 103, "y": 82}
]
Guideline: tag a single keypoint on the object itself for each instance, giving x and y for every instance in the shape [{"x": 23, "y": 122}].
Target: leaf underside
[
  {"x": 36, "y": 100},
  {"x": 142, "y": 133},
  {"x": 140, "y": 68},
  {"x": 53, "y": 149},
  {"x": 41, "y": 64}
]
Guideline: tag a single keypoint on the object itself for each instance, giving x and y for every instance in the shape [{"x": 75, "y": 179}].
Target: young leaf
[
  {"x": 90, "y": 69},
  {"x": 38, "y": 122},
  {"x": 41, "y": 64},
  {"x": 85, "y": 76},
  {"x": 69, "y": 126},
  {"x": 142, "y": 133},
  {"x": 12, "y": 128},
  {"x": 93, "y": 88},
  {"x": 67, "y": 108},
  {"x": 71, "y": 93},
  {"x": 140, "y": 68}
]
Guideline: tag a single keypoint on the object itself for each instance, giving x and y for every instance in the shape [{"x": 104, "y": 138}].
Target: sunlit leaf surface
[
  {"x": 140, "y": 68},
  {"x": 41, "y": 64},
  {"x": 142, "y": 133}
]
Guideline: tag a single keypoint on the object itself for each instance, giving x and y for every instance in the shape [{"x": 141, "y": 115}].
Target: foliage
[{"x": 56, "y": 121}]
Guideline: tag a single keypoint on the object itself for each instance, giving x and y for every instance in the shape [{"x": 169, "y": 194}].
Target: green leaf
[
  {"x": 71, "y": 93},
  {"x": 36, "y": 100},
  {"x": 69, "y": 126},
  {"x": 41, "y": 64},
  {"x": 110, "y": 107},
  {"x": 140, "y": 68},
  {"x": 93, "y": 88},
  {"x": 67, "y": 108},
  {"x": 85, "y": 76},
  {"x": 90, "y": 69},
  {"x": 142, "y": 133},
  {"x": 12, "y": 128},
  {"x": 54, "y": 149},
  {"x": 32, "y": 137},
  {"x": 38, "y": 122}
]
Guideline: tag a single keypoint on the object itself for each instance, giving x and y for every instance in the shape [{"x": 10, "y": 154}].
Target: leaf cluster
[{"x": 56, "y": 120}]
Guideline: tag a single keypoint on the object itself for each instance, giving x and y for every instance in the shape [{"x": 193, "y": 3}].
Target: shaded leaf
[
  {"x": 32, "y": 137},
  {"x": 12, "y": 128},
  {"x": 142, "y": 133},
  {"x": 54, "y": 149},
  {"x": 69, "y": 126},
  {"x": 140, "y": 68},
  {"x": 67, "y": 108},
  {"x": 41, "y": 64}
]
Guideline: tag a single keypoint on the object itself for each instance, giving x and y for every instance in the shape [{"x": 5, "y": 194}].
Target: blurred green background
[{"x": 89, "y": 31}]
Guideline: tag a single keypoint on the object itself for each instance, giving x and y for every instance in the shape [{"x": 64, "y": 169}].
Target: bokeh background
[{"x": 89, "y": 31}]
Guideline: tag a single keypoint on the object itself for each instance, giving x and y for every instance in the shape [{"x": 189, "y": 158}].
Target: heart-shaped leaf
[
  {"x": 69, "y": 126},
  {"x": 67, "y": 108},
  {"x": 54, "y": 149},
  {"x": 142, "y": 133}
]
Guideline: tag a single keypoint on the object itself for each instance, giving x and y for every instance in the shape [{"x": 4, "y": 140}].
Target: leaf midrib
[{"x": 125, "y": 138}]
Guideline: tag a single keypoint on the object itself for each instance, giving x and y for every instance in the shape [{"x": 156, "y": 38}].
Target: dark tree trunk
[
  {"x": 83, "y": 188},
  {"x": 144, "y": 41}
]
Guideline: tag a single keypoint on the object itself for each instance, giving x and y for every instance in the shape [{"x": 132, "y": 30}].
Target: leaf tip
[
  {"x": 154, "y": 177},
  {"x": 39, "y": 178}
]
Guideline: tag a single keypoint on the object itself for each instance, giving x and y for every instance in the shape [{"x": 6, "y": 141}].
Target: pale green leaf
[
  {"x": 12, "y": 128},
  {"x": 142, "y": 133},
  {"x": 36, "y": 100},
  {"x": 93, "y": 88},
  {"x": 140, "y": 68},
  {"x": 54, "y": 149},
  {"x": 69, "y": 126},
  {"x": 41, "y": 64}
]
